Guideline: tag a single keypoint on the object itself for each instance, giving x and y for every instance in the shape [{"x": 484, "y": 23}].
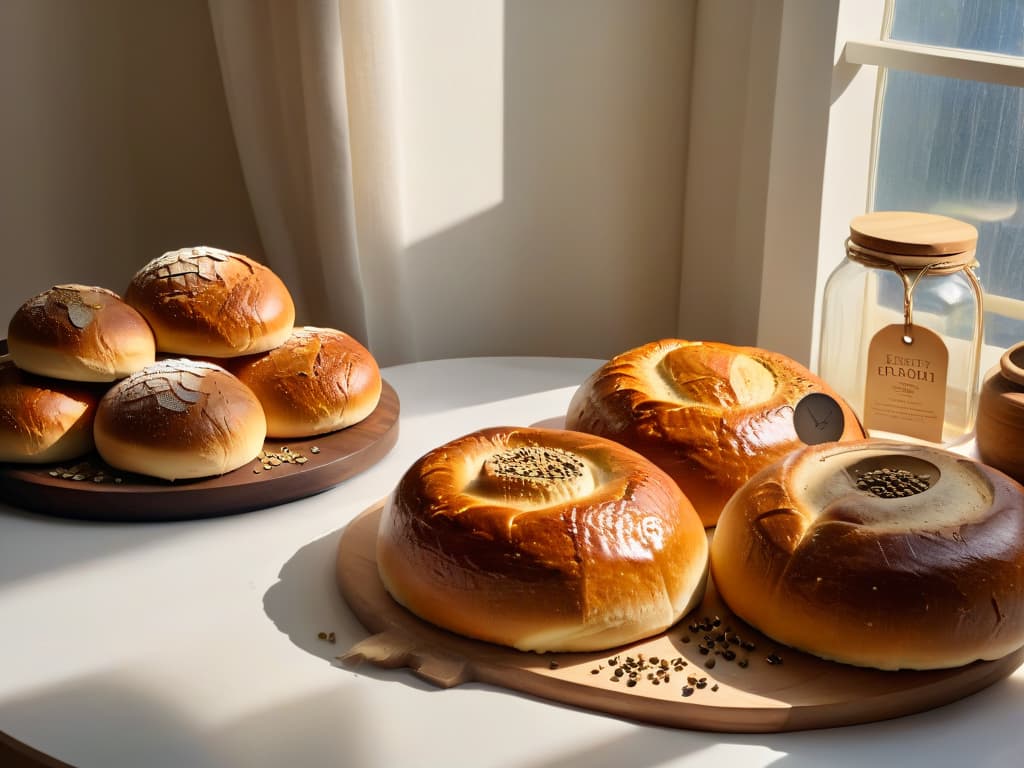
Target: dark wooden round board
[
  {"x": 328, "y": 460},
  {"x": 795, "y": 692}
]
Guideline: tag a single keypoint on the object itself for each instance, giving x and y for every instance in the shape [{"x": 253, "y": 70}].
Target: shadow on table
[
  {"x": 101, "y": 723},
  {"x": 305, "y": 602},
  {"x": 34, "y": 543},
  {"x": 91, "y": 722}
]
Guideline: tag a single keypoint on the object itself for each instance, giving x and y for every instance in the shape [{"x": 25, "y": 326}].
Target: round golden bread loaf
[
  {"x": 206, "y": 302},
  {"x": 711, "y": 415},
  {"x": 543, "y": 540},
  {"x": 877, "y": 554},
  {"x": 79, "y": 333},
  {"x": 319, "y": 380},
  {"x": 179, "y": 419},
  {"x": 43, "y": 420}
]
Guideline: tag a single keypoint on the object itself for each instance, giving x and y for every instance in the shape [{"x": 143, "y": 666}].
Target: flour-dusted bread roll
[
  {"x": 79, "y": 333},
  {"x": 179, "y": 419},
  {"x": 43, "y": 420},
  {"x": 319, "y": 380},
  {"x": 709, "y": 414},
  {"x": 543, "y": 540},
  {"x": 877, "y": 554},
  {"x": 205, "y": 302}
]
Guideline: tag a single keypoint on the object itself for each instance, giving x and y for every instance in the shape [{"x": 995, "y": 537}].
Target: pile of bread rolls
[
  {"x": 183, "y": 377},
  {"x": 865, "y": 552}
]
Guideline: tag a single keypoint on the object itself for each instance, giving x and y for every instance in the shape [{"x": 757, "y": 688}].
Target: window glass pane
[
  {"x": 956, "y": 147},
  {"x": 996, "y": 26}
]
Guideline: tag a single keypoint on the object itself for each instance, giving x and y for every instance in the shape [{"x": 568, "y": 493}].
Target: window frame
[{"x": 819, "y": 173}]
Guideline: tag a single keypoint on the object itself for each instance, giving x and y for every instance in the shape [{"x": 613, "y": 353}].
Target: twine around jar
[{"x": 912, "y": 268}]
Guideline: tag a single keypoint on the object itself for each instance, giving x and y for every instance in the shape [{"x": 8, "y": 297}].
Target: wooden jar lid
[{"x": 907, "y": 233}]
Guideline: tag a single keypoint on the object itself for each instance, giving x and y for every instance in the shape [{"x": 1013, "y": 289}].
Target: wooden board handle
[{"x": 394, "y": 648}]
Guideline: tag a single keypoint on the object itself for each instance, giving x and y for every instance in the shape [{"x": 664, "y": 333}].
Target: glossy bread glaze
[
  {"x": 544, "y": 540},
  {"x": 79, "y": 333},
  {"x": 208, "y": 302},
  {"x": 179, "y": 419},
  {"x": 319, "y": 380},
  {"x": 711, "y": 415},
  {"x": 43, "y": 420},
  {"x": 809, "y": 553}
]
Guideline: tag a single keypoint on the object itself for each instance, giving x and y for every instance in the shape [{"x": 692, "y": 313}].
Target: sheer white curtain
[
  {"x": 284, "y": 78},
  {"x": 466, "y": 177}
]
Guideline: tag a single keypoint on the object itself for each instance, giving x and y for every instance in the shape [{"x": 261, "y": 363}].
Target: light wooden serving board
[{"x": 799, "y": 693}]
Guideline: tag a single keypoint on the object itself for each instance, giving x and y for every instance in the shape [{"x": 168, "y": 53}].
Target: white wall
[
  {"x": 542, "y": 162},
  {"x": 115, "y": 144}
]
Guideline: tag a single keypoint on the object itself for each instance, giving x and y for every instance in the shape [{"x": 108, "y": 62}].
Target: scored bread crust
[
  {"x": 607, "y": 555},
  {"x": 208, "y": 302},
  {"x": 79, "y": 333},
  {"x": 43, "y": 420},
  {"x": 711, "y": 415},
  {"x": 931, "y": 580},
  {"x": 319, "y": 380},
  {"x": 179, "y": 419}
]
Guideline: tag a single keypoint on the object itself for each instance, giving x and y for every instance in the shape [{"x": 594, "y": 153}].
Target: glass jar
[{"x": 902, "y": 326}]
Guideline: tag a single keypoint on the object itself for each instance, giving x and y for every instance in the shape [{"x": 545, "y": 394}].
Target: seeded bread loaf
[
  {"x": 43, "y": 420},
  {"x": 877, "y": 554},
  {"x": 206, "y": 302},
  {"x": 179, "y": 419},
  {"x": 711, "y": 415},
  {"x": 544, "y": 540},
  {"x": 319, "y": 380},
  {"x": 79, "y": 333}
]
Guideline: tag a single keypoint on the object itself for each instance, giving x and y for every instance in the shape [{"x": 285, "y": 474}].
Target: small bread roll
[
  {"x": 877, "y": 554},
  {"x": 43, "y": 420},
  {"x": 79, "y": 333},
  {"x": 179, "y": 419},
  {"x": 319, "y": 380},
  {"x": 543, "y": 540},
  {"x": 709, "y": 414},
  {"x": 206, "y": 302}
]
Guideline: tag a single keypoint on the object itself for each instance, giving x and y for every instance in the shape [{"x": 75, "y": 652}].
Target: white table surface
[{"x": 195, "y": 643}]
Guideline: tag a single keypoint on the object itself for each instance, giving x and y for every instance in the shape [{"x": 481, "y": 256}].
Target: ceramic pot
[{"x": 1000, "y": 429}]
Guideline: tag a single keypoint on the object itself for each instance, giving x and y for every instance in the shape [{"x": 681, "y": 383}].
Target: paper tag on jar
[{"x": 905, "y": 391}]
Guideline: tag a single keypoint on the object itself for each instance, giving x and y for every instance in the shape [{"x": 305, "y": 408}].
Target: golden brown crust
[
  {"x": 711, "y": 415},
  {"x": 208, "y": 302},
  {"x": 319, "y": 380},
  {"x": 932, "y": 579},
  {"x": 79, "y": 333},
  {"x": 599, "y": 550},
  {"x": 179, "y": 419},
  {"x": 43, "y": 420}
]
